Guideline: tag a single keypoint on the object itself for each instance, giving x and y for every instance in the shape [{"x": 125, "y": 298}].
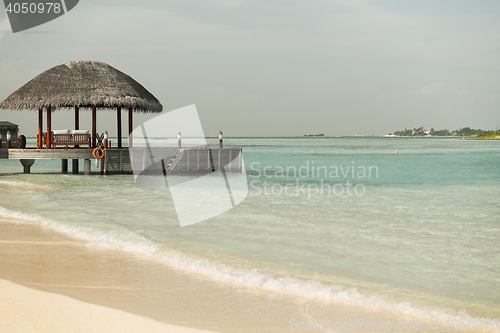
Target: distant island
[
  {"x": 314, "y": 135},
  {"x": 494, "y": 135},
  {"x": 466, "y": 131}
]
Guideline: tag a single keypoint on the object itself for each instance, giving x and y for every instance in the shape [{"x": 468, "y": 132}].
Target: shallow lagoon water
[{"x": 418, "y": 235}]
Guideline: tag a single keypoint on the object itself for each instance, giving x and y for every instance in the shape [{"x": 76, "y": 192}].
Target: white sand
[{"x": 25, "y": 310}]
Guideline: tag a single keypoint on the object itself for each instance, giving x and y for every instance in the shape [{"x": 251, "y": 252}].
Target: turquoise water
[{"x": 414, "y": 232}]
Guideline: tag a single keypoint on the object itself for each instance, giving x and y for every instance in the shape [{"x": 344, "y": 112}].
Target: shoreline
[
  {"x": 46, "y": 260},
  {"x": 35, "y": 257}
]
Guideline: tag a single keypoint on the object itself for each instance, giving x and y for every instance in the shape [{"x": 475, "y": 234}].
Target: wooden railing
[{"x": 68, "y": 140}]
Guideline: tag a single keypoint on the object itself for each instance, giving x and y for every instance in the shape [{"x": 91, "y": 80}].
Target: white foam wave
[
  {"x": 22, "y": 185},
  {"x": 126, "y": 241},
  {"x": 235, "y": 276}
]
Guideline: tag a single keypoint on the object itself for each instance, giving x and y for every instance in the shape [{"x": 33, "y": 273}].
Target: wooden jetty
[
  {"x": 74, "y": 85},
  {"x": 125, "y": 161},
  {"x": 184, "y": 161},
  {"x": 97, "y": 86},
  {"x": 27, "y": 157},
  {"x": 202, "y": 160}
]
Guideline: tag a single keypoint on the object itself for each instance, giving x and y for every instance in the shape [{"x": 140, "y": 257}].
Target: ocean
[{"x": 343, "y": 219}]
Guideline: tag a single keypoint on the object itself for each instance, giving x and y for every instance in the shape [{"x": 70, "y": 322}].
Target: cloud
[
  {"x": 493, "y": 98},
  {"x": 248, "y": 99},
  {"x": 464, "y": 93},
  {"x": 4, "y": 27},
  {"x": 16, "y": 71},
  {"x": 151, "y": 30},
  {"x": 426, "y": 90},
  {"x": 226, "y": 3}
]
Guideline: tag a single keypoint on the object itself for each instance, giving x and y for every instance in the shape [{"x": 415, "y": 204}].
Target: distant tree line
[
  {"x": 466, "y": 131},
  {"x": 314, "y": 135},
  {"x": 492, "y": 135}
]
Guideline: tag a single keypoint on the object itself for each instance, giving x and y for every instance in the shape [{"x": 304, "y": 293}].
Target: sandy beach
[
  {"x": 38, "y": 258},
  {"x": 25, "y": 254},
  {"x": 80, "y": 288},
  {"x": 52, "y": 262},
  {"x": 25, "y": 310}
]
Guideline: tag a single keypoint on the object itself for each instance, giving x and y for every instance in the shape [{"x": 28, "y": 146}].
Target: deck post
[
  {"x": 75, "y": 167},
  {"x": 48, "y": 144},
  {"x": 94, "y": 126},
  {"x": 121, "y": 162},
  {"x": 86, "y": 167},
  {"x": 40, "y": 126},
  {"x": 130, "y": 127},
  {"x": 240, "y": 161},
  {"x": 27, "y": 165},
  {"x": 104, "y": 165},
  {"x": 105, "y": 139},
  {"x": 77, "y": 117},
  {"x": 209, "y": 166},
  {"x": 119, "y": 125},
  {"x": 77, "y": 120},
  {"x": 64, "y": 165}
]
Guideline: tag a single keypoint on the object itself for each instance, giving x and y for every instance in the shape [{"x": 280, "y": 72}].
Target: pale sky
[{"x": 279, "y": 68}]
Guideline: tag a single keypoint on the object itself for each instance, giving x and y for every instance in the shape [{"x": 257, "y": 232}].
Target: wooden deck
[
  {"x": 144, "y": 160},
  {"x": 49, "y": 154},
  {"x": 206, "y": 160},
  {"x": 181, "y": 161}
]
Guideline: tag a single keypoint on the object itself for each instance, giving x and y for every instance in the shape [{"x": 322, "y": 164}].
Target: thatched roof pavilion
[{"x": 78, "y": 84}]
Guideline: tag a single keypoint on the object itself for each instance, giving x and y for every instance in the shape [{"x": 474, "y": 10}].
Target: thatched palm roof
[{"x": 82, "y": 83}]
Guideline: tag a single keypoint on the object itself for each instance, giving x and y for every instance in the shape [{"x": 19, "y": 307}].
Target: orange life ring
[{"x": 99, "y": 156}]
